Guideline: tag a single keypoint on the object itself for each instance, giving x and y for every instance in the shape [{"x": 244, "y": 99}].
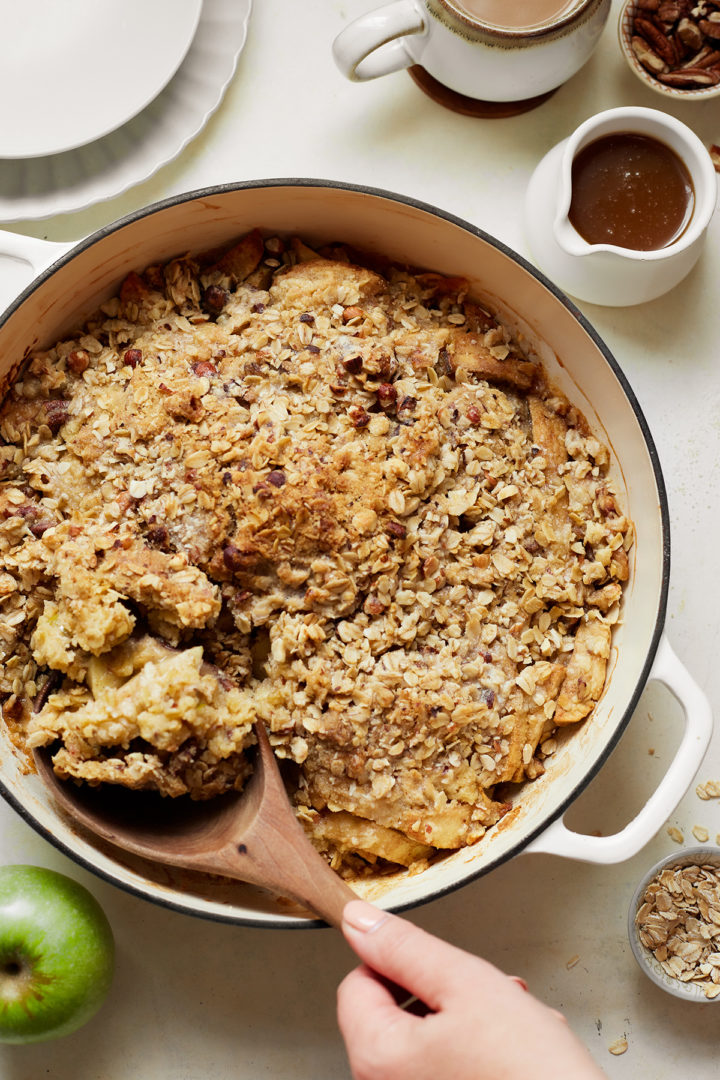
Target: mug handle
[
  {"x": 380, "y": 32},
  {"x": 557, "y": 839}
]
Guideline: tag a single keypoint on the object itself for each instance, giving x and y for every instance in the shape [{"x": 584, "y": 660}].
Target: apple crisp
[{"x": 319, "y": 491}]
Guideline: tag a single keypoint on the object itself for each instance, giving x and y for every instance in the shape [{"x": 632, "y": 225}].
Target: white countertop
[{"x": 195, "y": 999}]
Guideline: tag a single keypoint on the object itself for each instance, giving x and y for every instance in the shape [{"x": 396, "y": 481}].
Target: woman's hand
[{"x": 483, "y": 1025}]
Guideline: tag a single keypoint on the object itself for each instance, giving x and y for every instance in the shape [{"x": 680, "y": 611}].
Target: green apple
[{"x": 56, "y": 954}]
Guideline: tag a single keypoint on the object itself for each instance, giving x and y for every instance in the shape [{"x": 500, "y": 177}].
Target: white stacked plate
[{"x": 95, "y": 96}]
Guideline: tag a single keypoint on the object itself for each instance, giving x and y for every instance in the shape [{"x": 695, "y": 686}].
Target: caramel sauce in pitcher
[{"x": 630, "y": 190}]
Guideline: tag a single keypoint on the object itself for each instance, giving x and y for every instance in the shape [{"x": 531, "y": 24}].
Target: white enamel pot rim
[{"x": 405, "y": 229}]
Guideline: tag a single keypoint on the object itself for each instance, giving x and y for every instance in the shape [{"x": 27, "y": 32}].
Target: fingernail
[{"x": 363, "y": 916}]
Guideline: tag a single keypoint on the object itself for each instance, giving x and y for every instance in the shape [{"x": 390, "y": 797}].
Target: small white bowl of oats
[{"x": 674, "y": 924}]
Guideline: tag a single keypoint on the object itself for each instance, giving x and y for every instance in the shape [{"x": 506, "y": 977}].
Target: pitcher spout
[{"x": 568, "y": 239}]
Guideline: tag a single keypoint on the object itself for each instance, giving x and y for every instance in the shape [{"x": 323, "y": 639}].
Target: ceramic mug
[
  {"x": 469, "y": 54},
  {"x": 605, "y": 273}
]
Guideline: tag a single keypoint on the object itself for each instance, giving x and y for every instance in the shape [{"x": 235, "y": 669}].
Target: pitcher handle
[
  {"x": 381, "y": 33},
  {"x": 557, "y": 839}
]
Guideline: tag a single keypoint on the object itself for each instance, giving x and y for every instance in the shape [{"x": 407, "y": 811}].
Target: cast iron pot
[{"x": 69, "y": 285}]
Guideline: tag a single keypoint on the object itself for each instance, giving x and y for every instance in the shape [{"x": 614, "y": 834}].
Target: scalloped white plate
[
  {"x": 84, "y": 67},
  {"x": 40, "y": 187}
]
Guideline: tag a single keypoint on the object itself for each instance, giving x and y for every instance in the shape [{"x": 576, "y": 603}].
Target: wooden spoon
[{"x": 252, "y": 836}]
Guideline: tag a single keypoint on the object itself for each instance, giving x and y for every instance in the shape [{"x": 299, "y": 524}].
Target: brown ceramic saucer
[{"x": 469, "y": 106}]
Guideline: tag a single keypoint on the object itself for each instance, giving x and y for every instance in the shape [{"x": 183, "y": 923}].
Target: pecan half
[
  {"x": 690, "y": 77},
  {"x": 656, "y": 39},
  {"x": 647, "y": 56},
  {"x": 710, "y": 27}
]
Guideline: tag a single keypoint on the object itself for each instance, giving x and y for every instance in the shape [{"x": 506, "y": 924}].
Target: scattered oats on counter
[
  {"x": 678, "y": 920},
  {"x": 345, "y": 486},
  {"x": 618, "y": 1047},
  {"x": 709, "y": 790},
  {"x": 700, "y": 834}
]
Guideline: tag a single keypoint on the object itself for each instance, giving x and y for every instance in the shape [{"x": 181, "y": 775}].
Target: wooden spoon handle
[{"x": 286, "y": 863}]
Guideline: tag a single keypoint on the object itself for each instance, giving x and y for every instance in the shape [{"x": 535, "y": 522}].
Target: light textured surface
[{"x": 195, "y": 999}]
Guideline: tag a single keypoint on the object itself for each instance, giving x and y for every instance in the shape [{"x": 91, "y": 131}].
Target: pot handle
[
  {"x": 557, "y": 839},
  {"x": 21, "y": 259}
]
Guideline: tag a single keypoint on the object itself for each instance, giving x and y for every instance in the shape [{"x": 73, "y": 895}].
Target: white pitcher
[{"x": 605, "y": 273}]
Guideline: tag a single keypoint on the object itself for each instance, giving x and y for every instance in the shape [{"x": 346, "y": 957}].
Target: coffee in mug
[
  {"x": 515, "y": 14},
  {"x": 490, "y": 50}
]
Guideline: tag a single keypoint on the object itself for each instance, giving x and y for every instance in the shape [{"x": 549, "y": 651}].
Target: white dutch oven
[{"x": 70, "y": 283}]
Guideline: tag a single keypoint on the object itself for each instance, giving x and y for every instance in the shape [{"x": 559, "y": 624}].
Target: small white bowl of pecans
[
  {"x": 674, "y": 924},
  {"x": 673, "y": 46}
]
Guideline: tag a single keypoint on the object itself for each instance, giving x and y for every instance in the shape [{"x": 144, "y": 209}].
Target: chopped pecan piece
[
  {"x": 360, "y": 418},
  {"x": 353, "y": 365},
  {"x": 204, "y": 368},
  {"x": 78, "y": 361},
  {"x": 234, "y": 558},
  {"x": 214, "y": 299},
  {"x": 56, "y": 413},
  {"x": 132, "y": 357},
  {"x": 387, "y": 395}
]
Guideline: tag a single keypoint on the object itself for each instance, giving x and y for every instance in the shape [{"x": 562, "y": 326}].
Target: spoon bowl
[{"x": 251, "y": 836}]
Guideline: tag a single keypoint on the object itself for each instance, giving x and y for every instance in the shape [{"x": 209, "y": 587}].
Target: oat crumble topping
[{"x": 344, "y": 485}]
